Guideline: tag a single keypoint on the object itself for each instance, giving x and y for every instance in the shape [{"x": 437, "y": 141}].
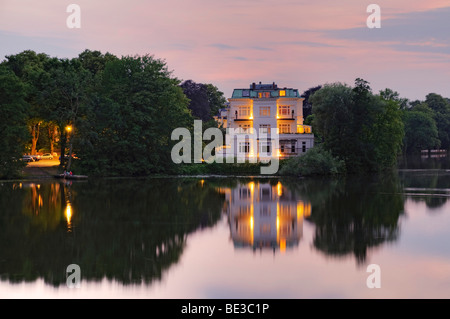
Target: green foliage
[
  {"x": 363, "y": 129},
  {"x": 316, "y": 161},
  {"x": 127, "y": 127},
  {"x": 205, "y": 100},
  {"x": 13, "y": 130},
  {"x": 421, "y": 132},
  {"x": 441, "y": 108}
]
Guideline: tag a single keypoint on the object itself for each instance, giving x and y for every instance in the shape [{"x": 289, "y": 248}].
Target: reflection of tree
[
  {"x": 354, "y": 215},
  {"x": 425, "y": 161},
  {"x": 43, "y": 203},
  {"x": 427, "y": 186},
  {"x": 130, "y": 231}
]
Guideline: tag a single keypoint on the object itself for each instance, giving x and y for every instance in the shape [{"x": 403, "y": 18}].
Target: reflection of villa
[
  {"x": 255, "y": 113},
  {"x": 262, "y": 215}
]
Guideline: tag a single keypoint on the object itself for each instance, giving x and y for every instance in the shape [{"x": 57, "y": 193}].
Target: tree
[
  {"x": 29, "y": 67},
  {"x": 363, "y": 129},
  {"x": 13, "y": 129},
  {"x": 65, "y": 93},
  {"x": 95, "y": 61},
  {"x": 421, "y": 132},
  {"x": 441, "y": 109},
  {"x": 198, "y": 99},
  {"x": 388, "y": 94},
  {"x": 128, "y": 126},
  {"x": 205, "y": 99},
  {"x": 307, "y": 105},
  {"x": 216, "y": 99}
]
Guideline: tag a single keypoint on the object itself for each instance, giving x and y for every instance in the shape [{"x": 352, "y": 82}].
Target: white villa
[{"x": 256, "y": 112}]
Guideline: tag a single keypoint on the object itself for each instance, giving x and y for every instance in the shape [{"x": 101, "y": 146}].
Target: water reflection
[
  {"x": 130, "y": 231},
  {"x": 264, "y": 215},
  {"x": 134, "y": 231},
  {"x": 357, "y": 216},
  {"x": 431, "y": 187}
]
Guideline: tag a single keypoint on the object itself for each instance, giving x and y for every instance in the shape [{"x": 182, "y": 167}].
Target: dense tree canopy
[
  {"x": 13, "y": 116},
  {"x": 363, "y": 129},
  {"x": 120, "y": 111},
  {"x": 205, "y": 99}
]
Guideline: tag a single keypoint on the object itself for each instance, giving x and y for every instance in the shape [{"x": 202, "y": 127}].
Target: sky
[{"x": 232, "y": 43}]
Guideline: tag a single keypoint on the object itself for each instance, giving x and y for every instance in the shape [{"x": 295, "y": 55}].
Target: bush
[{"x": 316, "y": 161}]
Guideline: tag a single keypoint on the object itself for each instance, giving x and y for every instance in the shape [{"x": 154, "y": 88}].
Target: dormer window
[{"x": 282, "y": 92}]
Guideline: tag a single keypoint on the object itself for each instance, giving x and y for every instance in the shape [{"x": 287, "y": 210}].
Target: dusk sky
[{"x": 232, "y": 43}]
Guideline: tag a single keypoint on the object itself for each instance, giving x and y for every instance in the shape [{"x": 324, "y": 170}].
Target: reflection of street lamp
[{"x": 68, "y": 130}]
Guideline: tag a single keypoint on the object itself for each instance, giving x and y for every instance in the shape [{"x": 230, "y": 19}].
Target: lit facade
[{"x": 259, "y": 110}]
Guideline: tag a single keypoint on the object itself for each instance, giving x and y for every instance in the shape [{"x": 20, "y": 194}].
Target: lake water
[{"x": 229, "y": 237}]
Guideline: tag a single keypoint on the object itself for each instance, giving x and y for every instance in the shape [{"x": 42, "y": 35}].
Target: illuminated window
[
  {"x": 284, "y": 110},
  {"x": 263, "y": 95},
  {"x": 244, "y": 111},
  {"x": 284, "y": 128},
  {"x": 282, "y": 93},
  {"x": 264, "y": 111}
]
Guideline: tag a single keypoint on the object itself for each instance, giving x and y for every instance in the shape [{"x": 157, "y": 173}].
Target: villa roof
[{"x": 266, "y": 91}]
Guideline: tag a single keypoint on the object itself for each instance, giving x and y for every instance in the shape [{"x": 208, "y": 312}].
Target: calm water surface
[{"x": 229, "y": 237}]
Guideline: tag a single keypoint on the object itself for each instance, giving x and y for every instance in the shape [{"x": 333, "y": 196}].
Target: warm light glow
[
  {"x": 282, "y": 93},
  {"x": 69, "y": 128},
  {"x": 202, "y": 182},
  {"x": 283, "y": 245},
  {"x": 68, "y": 214},
  {"x": 279, "y": 189},
  {"x": 252, "y": 187},
  {"x": 251, "y": 223},
  {"x": 307, "y": 211},
  {"x": 300, "y": 209}
]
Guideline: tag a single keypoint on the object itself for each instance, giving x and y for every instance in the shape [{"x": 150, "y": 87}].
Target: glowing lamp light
[{"x": 69, "y": 128}]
